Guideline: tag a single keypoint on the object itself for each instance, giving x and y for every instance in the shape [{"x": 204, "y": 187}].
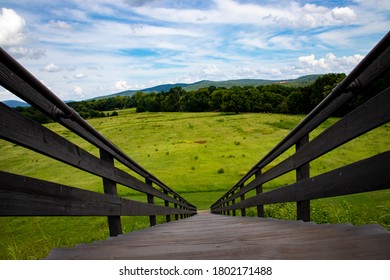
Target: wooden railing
[
  {"x": 24, "y": 196},
  {"x": 366, "y": 175}
]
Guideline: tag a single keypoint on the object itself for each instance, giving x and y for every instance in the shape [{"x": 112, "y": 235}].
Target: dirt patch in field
[{"x": 200, "y": 141}]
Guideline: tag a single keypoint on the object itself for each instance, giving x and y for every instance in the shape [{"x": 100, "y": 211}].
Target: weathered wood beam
[
  {"x": 303, "y": 172},
  {"x": 367, "y": 175},
  {"x": 25, "y": 196},
  {"x": 368, "y": 116},
  {"x": 15, "y": 78},
  {"x": 22, "y": 131}
]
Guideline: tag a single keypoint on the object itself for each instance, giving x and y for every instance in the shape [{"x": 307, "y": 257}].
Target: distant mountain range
[
  {"x": 15, "y": 103},
  {"x": 301, "y": 81}
]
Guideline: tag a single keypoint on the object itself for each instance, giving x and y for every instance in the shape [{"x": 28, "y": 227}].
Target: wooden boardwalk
[
  {"x": 210, "y": 236},
  {"x": 206, "y": 236}
]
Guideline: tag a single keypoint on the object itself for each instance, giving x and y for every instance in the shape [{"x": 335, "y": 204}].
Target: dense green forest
[{"x": 272, "y": 98}]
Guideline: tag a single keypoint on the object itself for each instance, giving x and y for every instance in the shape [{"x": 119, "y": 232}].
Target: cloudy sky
[{"x": 86, "y": 48}]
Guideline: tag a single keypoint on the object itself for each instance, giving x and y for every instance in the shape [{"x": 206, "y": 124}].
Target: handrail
[
  {"x": 17, "y": 129},
  {"x": 350, "y": 84},
  {"x": 376, "y": 62},
  {"x": 61, "y": 111}
]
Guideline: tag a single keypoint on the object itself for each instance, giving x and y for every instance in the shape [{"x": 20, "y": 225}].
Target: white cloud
[
  {"x": 286, "y": 42},
  {"x": 71, "y": 14},
  {"x": 253, "y": 40},
  {"x": 11, "y": 27},
  {"x": 312, "y": 8},
  {"x": 286, "y": 14},
  {"x": 309, "y": 59},
  {"x": 52, "y": 68},
  {"x": 216, "y": 72},
  {"x": 302, "y": 65},
  {"x": 212, "y": 70},
  {"x": 79, "y": 91},
  {"x": 272, "y": 41},
  {"x": 80, "y": 76},
  {"x": 121, "y": 85},
  {"x": 150, "y": 30},
  {"x": 59, "y": 24},
  {"x": 153, "y": 42},
  {"x": 329, "y": 63},
  {"x": 7, "y": 95},
  {"x": 344, "y": 14},
  {"x": 380, "y": 5},
  {"x": 22, "y": 52}
]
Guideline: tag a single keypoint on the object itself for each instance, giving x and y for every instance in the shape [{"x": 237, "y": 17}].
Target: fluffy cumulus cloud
[
  {"x": 11, "y": 27},
  {"x": 329, "y": 63},
  {"x": 51, "y": 68},
  {"x": 80, "y": 76},
  {"x": 344, "y": 14},
  {"x": 161, "y": 41},
  {"x": 121, "y": 85}
]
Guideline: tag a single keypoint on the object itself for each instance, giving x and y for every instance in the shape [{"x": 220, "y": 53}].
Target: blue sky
[{"x": 82, "y": 48}]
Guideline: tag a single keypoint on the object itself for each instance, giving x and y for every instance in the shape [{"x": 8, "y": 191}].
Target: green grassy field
[{"x": 199, "y": 155}]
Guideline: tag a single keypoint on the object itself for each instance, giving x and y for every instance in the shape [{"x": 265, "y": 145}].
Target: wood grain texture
[
  {"x": 366, "y": 175},
  {"x": 303, "y": 172},
  {"x": 375, "y": 69},
  {"x": 24, "y": 196},
  {"x": 368, "y": 116},
  {"x": 19, "y": 81},
  {"x": 27, "y": 133},
  {"x": 208, "y": 236},
  {"x": 109, "y": 186}
]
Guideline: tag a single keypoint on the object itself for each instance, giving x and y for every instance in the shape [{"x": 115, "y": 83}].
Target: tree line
[
  {"x": 87, "y": 109},
  {"x": 273, "y": 98}
]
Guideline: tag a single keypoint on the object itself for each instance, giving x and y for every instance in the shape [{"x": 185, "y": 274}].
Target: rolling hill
[
  {"x": 15, "y": 103},
  {"x": 301, "y": 81}
]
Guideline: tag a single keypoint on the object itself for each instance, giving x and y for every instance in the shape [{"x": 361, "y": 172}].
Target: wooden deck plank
[{"x": 209, "y": 236}]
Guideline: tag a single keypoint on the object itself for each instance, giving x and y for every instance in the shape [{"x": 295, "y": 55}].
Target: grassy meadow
[{"x": 200, "y": 155}]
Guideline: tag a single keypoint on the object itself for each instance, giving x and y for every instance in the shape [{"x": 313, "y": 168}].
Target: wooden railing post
[
  {"x": 226, "y": 204},
  {"x": 181, "y": 208},
  {"x": 234, "y": 202},
  {"x": 228, "y": 211},
  {"x": 243, "y": 211},
  {"x": 114, "y": 222},
  {"x": 152, "y": 219},
  {"x": 166, "y": 204},
  {"x": 303, "y": 172},
  {"x": 259, "y": 190},
  {"x": 176, "y": 215}
]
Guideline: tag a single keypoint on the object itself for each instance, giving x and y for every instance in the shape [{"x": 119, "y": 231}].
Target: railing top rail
[
  {"x": 67, "y": 116},
  {"x": 359, "y": 77}
]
